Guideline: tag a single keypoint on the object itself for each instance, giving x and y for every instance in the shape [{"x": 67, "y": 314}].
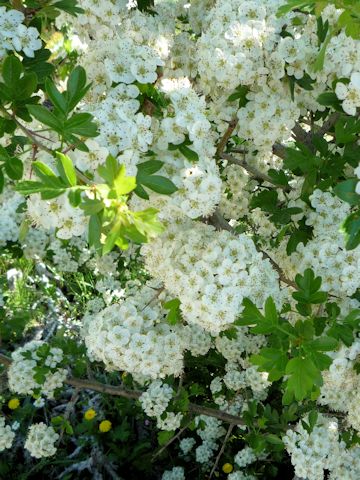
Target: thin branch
[
  {"x": 221, "y": 451},
  {"x": 135, "y": 394},
  {"x": 256, "y": 174},
  {"x": 27, "y": 132},
  {"x": 328, "y": 124},
  {"x": 281, "y": 274},
  {"x": 225, "y": 138},
  {"x": 172, "y": 439}
]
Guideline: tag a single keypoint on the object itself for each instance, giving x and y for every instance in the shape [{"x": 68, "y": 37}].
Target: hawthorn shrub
[{"x": 179, "y": 239}]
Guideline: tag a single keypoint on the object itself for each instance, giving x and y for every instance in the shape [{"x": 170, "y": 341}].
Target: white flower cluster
[
  {"x": 187, "y": 444},
  {"x": 133, "y": 336},
  {"x": 357, "y": 173},
  {"x": 16, "y": 36},
  {"x": 349, "y": 93},
  {"x": 245, "y": 457},
  {"x": 326, "y": 253},
  {"x": 235, "y": 198},
  {"x": 312, "y": 453},
  {"x": 40, "y": 441},
  {"x": 23, "y": 368},
  {"x": 210, "y": 430},
  {"x": 210, "y": 272},
  {"x": 177, "y": 473},
  {"x": 240, "y": 475},
  {"x": 6, "y": 435},
  {"x": 155, "y": 400},
  {"x": 10, "y": 219},
  {"x": 57, "y": 214},
  {"x": 250, "y": 377},
  {"x": 341, "y": 388}
]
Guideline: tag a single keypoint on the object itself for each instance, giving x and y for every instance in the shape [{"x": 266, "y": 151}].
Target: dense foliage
[{"x": 180, "y": 239}]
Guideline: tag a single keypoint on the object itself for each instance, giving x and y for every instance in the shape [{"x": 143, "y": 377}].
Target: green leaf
[
  {"x": 110, "y": 170},
  {"x": 149, "y": 167},
  {"x": 123, "y": 184},
  {"x": 274, "y": 440},
  {"x": 346, "y": 191},
  {"x": 94, "y": 232},
  {"x": 29, "y": 187},
  {"x": 66, "y": 169},
  {"x": 191, "y": 155},
  {"x": 46, "y": 117},
  {"x": 320, "y": 60},
  {"x": 11, "y": 71},
  {"x": 303, "y": 376},
  {"x": 2, "y": 181},
  {"x": 271, "y": 360},
  {"x": 330, "y": 99},
  {"x": 351, "y": 230},
  {"x": 81, "y": 124},
  {"x": 164, "y": 437},
  {"x": 14, "y": 168},
  {"x": 174, "y": 314},
  {"x": 322, "y": 344},
  {"x": 57, "y": 98},
  {"x": 159, "y": 184},
  {"x": 291, "y": 5},
  {"x": 76, "y": 88},
  {"x": 26, "y": 86},
  {"x": 74, "y": 197}
]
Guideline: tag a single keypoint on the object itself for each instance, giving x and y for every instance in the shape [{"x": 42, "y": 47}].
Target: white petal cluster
[
  {"x": 133, "y": 336},
  {"x": 187, "y": 444},
  {"x": 313, "y": 453},
  {"x": 210, "y": 272},
  {"x": 10, "y": 219},
  {"x": 177, "y": 473},
  {"x": 57, "y": 214},
  {"x": 22, "y": 370},
  {"x": 40, "y": 441},
  {"x": 326, "y": 253},
  {"x": 6, "y": 435},
  {"x": 245, "y": 457},
  {"x": 349, "y": 94},
  {"x": 341, "y": 388},
  {"x": 357, "y": 173},
  {"x": 16, "y": 36},
  {"x": 156, "y": 398},
  {"x": 210, "y": 430}
]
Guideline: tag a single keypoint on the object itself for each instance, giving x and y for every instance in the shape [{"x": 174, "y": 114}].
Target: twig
[
  {"x": 70, "y": 406},
  {"x": 225, "y": 138},
  {"x": 27, "y": 132},
  {"x": 135, "y": 394},
  {"x": 172, "y": 439},
  {"x": 328, "y": 124},
  {"x": 221, "y": 451},
  {"x": 257, "y": 175}
]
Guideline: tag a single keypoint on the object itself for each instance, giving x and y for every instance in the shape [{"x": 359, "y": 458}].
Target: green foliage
[
  {"x": 156, "y": 183},
  {"x": 296, "y": 353},
  {"x": 174, "y": 315}
]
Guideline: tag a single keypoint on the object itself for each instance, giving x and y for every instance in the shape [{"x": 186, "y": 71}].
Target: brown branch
[
  {"x": 256, "y": 174},
  {"x": 29, "y": 133},
  {"x": 328, "y": 124},
  {"x": 281, "y": 274},
  {"x": 172, "y": 439},
  {"x": 221, "y": 451},
  {"x": 225, "y": 138},
  {"x": 135, "y": 394}
]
